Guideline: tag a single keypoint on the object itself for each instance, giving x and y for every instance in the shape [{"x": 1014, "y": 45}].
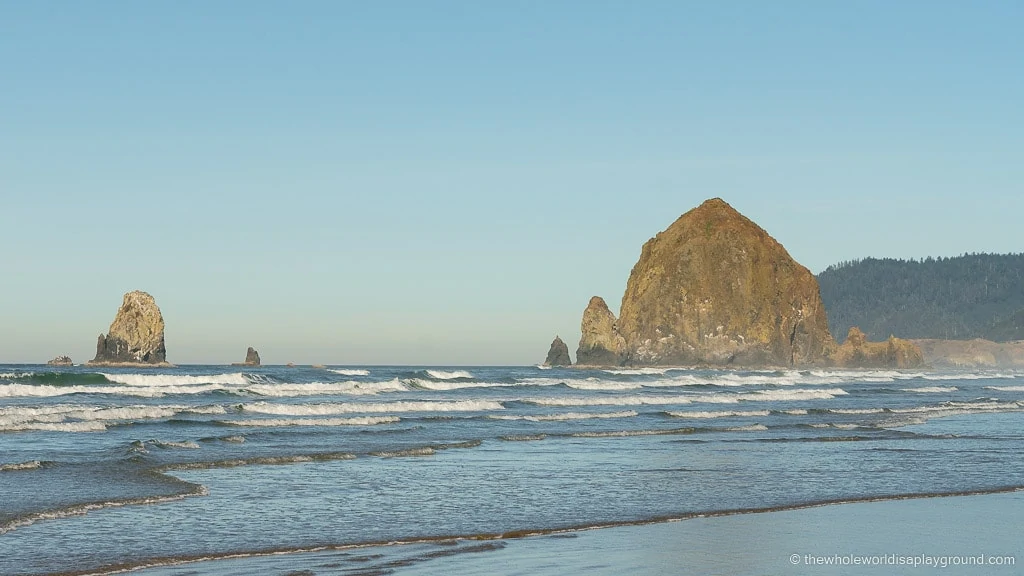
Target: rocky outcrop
[
  {"x": 975, "y": 353},
  {"x": 601, "y": 344},
  {"x": 60, "y": 361},
  {"x": 252, "y": 358},
  {"x": 857, "y": 352},
  {"x": 715, "y": 289},
  {"x": 136, "y": 337},
  {"x": 558, "y": 354}
]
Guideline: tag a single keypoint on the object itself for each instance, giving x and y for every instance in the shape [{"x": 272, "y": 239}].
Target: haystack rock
[
  {"x": 136, "y": 337},
  {"x": 558, "y": 354},
  {"x": 714, "y": 288},
  {"x": 252, "y": 358},
  {"x": 857, "y": 352},
  {"x": 601, "y": 343}
]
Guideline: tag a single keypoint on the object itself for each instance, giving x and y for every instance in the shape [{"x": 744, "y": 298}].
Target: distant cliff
[
  {"x": 136, "y": 336},
  {"x": 715, "y": 289},
  {"x": 961, "y": 298}
]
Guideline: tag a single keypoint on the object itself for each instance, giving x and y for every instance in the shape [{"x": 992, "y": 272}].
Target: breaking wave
[
  {"x": 278, "y": 422},
  {"x": 349, "y": 371},
  {"x": 639, "y": 400},
  {"x": 285, "y": 389},
  {"x": 332, "y": 408},
  {"x": 30, "y": 465},
  {"x": 77, "y": 418},
  {"x": 452, "y": 375},
  {"x": 174, "y": 380},
  {"x": 567, "y": 416},
  {"x": 720, "y": 414}
]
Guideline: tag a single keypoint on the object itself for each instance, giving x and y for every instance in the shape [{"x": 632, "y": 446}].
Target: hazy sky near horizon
[{"x": 449, "y": 182}]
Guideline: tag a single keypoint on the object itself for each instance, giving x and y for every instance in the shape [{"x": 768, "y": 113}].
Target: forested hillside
[{"x": 969, "y": 296}]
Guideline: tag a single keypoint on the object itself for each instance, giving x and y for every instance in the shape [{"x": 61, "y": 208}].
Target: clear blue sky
[{"x": 449, "y": 182}]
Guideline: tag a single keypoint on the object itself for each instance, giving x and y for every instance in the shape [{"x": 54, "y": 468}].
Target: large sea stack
[
  {"x": 136, "y": 337},
  {"x": 714, "y": 288}
]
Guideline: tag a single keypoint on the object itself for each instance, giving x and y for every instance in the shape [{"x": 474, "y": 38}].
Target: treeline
[{"x": 963, "y": 297}]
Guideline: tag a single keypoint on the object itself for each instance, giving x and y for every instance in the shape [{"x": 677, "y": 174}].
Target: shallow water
[{"x": 210, "y": 462}]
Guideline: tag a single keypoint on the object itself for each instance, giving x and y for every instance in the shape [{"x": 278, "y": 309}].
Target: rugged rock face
[
  {"x": 60, "y": 361},
  {"x": 975, "y": 353},
  {"x": 601, "y": 344},
  {"x": 857, "y": 352},
  {"x": 558, "y": 354},
  {"x": 252, "y": 358},
  {"x": 714, "y": 288},
  {"x": 136, "y": 337}
]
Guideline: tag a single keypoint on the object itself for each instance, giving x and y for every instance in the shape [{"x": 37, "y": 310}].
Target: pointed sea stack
[
  {"x": 252, "y": 358},
  {"x": 136, "y": 337},
  {"x": 558, "y": 354},
  {"x": 601, "y": 344}
]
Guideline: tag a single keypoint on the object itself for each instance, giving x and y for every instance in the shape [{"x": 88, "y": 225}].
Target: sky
[{"x": 447, "y": 183}]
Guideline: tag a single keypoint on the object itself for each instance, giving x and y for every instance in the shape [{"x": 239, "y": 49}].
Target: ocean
[{"x": 416, "y": 470}]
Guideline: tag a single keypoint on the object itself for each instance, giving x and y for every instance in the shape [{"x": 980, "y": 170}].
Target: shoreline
[{"x": 515, "y": 535}]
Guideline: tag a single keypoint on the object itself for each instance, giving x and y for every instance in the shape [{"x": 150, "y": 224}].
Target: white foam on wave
[
  {"x": 638, "y": 371},
  {"x": 28, "y": 391},
  {"x": 76, "y": 418},
  {"x": 321, "y": 388},
  {"x": 931, "y": 389},
  {"x": 187, "y": 444},
  {"x": 1006, "y": 388},
  {"x": 566, "y": 416},
  {"x": 176, "y": 380},
  {"x": 921, "y": 414},
  {"x": 609, "y": 401},
  {"x": 332, "y": 408},
  {"x": 453, "y": 375},
  {"x": 10, "y": 375},
  {"x": 93, "y": 426},
  {"x": 970, "y": 376},
  {"x": 720, "y": 414},
  {"x": 350, "y": 371},
  {"x": 279, "y": 422},
  {"x": 856, "y": 411},
  {"x": 722, "y": 398},
  {"x": 445, "y": 385},
  {"x": 30, "y": 465},
  {"x": 597, "y": 384}
]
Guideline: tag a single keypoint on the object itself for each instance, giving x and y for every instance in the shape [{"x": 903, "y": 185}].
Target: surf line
[{"x": 126, "y": 567}]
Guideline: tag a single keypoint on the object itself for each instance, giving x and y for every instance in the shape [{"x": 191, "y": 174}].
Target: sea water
[{"x": 103, "y": 470}]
